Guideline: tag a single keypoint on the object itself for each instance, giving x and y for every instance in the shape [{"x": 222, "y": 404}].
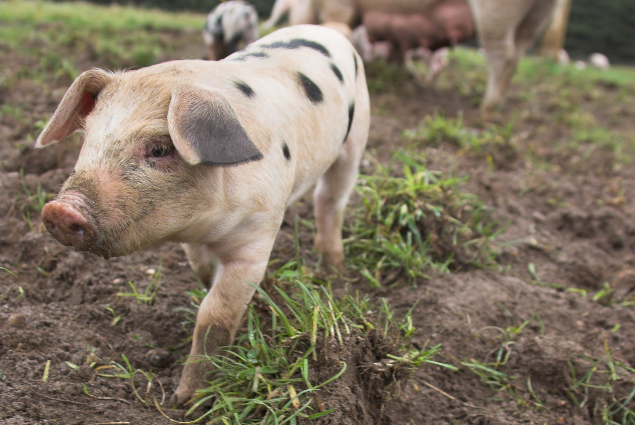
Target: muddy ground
[{"x": 568, "y": 214}]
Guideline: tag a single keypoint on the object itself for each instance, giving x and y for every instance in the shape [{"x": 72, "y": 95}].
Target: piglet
[
  {"x": 229, "y": 25},
  {"x": 210, "y": 154}
]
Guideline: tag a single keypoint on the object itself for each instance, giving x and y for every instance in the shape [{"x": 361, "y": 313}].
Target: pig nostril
[{"x": 76, "y": 228}]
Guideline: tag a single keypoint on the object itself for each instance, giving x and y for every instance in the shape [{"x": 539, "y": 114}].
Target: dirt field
[{"x": 542, "y": 332}]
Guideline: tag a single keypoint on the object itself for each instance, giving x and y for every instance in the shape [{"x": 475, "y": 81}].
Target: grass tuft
[
  {"x": 272, "y": 374},
  {"x": 146, "y": 297},
  {"x": 418, "y": 221},
  {"x": 606, "y": 388},
  {"x": 497, "y": 145}
]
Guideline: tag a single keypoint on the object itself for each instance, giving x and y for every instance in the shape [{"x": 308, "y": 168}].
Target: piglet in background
[
  {"x": 599, "y": 61},
  {"x": 418, "y": 36},
  {"x": 231, "y": 26},
  {"x": 210, "y": 154}
]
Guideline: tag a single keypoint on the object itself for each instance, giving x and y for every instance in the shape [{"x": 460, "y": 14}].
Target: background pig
[
  {"x": 210, "y": 154},
  {"x": 505, "y": 28},
  {"x": 230, "y": 25},
  {"x": 455, "y": 17},
  {"x": 599, "y": 61},
  {"x": 445, "y": 24}
]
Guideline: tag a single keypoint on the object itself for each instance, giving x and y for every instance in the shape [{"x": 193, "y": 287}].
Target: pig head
[
  {"x": 134, "y": 160},
  {"x": 210, "y": 154}
]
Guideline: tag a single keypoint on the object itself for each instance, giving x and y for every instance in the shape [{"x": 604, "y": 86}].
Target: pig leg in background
[
  {"x": 302, "y": 12},
  {"x": 505, "y": 32},
  {"x": 420, "y": 53},
  {"x": 362, "y": 44},
  {"x": 501, "y": 65},
  {"x": 217, "y": 51},
  {"x": 222, "y": 309},
  {"x": 531, "y": 28},
  {"x": 436, "y": 62},
  {"x": 335, "y": 186},
  {"x": 280, "y": 7}
]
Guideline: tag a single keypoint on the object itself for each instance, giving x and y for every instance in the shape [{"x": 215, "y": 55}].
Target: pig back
[
  {"x": 395, "y": 6},
  {"x": 304, "y": 82}
]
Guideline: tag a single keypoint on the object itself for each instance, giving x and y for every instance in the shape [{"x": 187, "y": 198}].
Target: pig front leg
[
  {"x": 221, "y": 311},
  {"x": 201, "y": 260}
]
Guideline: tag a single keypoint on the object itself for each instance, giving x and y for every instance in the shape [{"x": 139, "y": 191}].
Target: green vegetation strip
[
  {"x": 294, "y": 347},
  {"x": 421, "y": 220},
  {"x": 85, "y": 15},
  {"x": 267, "y": 377}
]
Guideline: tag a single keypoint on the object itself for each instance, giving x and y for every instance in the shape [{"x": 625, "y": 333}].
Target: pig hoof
[
  {"x": 181, "y": 396},
  {"x": 334, "y": 259},
  {"x": 192, "y": 379}
]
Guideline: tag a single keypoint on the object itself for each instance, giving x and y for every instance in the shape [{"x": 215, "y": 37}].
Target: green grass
[
  {"x": 496, "y": 144},
  {"x": 4, "y": 269},
  {"x": 607, "y": 387},
  {"x": 268, "y": 377},
  {"x": 382, "y": 76},
  {"x": 299, "y": 339},
  {"x": 149, "y": 295},
  {"x": 51, "y": 36},
  {"x": 126, "y": 372},
  {"x": 491, "y": 373},
  {"x": 79, "y": 15},
  {"x": 465, "y": 74},
  {"x": 34, "y": 201},
  {"x": 420, "y": 220},
  {"x": 604, "y": 385}
]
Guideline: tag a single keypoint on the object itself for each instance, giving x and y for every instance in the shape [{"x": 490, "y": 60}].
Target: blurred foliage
[
  {"x": 79, "y": 16},
  {"x": 602, "y": 26},
  {"x": 203, "y": 6}
]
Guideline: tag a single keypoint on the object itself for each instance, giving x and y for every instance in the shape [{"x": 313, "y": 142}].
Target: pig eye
[{"x": 159, "y": 151}]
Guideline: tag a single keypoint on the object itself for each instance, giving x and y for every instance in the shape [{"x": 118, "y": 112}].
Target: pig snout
[{"x": 68, "y": 225}]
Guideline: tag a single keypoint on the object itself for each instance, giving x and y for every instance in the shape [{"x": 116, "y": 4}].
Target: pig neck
[{"x": 233, "y": 216}]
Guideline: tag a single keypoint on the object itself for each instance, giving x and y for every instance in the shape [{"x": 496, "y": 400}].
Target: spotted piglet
[
  {"x": 229, "y": 25},
  {"x": 210, "y": 154}
]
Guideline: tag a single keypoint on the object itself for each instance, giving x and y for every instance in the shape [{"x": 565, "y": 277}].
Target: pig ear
[
  {"x": 77, "y": 103},
  {"x": 205, "y": 128}
]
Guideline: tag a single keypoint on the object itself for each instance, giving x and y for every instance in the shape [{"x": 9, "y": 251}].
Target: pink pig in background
[
  {"x": 210, "y": 154},
  {"x": 416, "y": 35}
]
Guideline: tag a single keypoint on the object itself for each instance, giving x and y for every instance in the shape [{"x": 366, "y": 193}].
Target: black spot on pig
[
  {"x": 311, "y": 90},
  {"x": 297, "y": 43},
  {"x": 337, "y": 72},
  {"x": 286, "y": 152},
  {"x": 356, "y": 66},
  {"x": 217, "y": 29},
  {"x": 351, "y": 114},
  {"x": 243, "y": 87}
]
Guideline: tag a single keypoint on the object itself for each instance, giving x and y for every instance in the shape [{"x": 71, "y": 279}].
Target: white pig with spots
[
  {"x": 210, "y": 154},
  {"x": 229, "y": 27}
]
